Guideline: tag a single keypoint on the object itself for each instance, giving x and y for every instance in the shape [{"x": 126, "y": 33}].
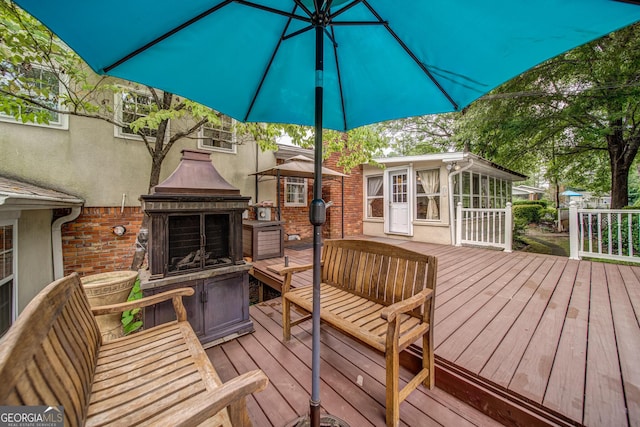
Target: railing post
[
  {"x": 458, "y": 241},
  {"x": 574, "y": 231},
  {"x": 508, "y": 228}
]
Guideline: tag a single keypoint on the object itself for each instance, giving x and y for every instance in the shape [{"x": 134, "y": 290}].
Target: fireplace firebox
[{"x": 195, "y": 239}]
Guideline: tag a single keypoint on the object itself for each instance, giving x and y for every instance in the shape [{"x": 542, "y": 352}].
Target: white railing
[
  {"x": 484, "y": 227},
  {"x": 604, "y": 233}
]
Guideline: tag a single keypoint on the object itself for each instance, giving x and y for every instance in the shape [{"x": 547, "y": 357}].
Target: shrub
[
  {"x": 548, "y": 214},
  {"x": 543, "y": 203},
  {"x": 530, "y": 213}
]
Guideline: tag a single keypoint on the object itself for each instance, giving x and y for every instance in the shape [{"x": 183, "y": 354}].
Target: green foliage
[
  {"x": 548, "y": 215},
  {"x": 543, "y": 203},
  {"x": 569, "y": 119},
  {"x": 619, "y": 237},
  {"x": 132, "y": 319},
  {"x": 529, "y": 213}
]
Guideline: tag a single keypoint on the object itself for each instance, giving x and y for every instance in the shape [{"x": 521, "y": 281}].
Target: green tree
[{"x": 578, "y": 114}]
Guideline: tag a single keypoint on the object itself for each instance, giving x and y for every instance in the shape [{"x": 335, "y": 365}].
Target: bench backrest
[
  {"x": 377, "y": 271},
  {"x": 49, "y": 355}
]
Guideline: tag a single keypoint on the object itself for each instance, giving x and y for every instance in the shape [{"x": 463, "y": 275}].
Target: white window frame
[
  {"x": 61, "y": 123},
  {"x": 287, "y": 183},
  {"x": 211, "y": 126},
  {"x": 368, "y": 198},
  {"x": 118, "y": 104},
  {"x": 437, "y": 195},
  {"x": 14, "y": 248}
]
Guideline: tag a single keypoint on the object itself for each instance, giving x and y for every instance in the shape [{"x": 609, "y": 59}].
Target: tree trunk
[{"x": 621, "y": 155}]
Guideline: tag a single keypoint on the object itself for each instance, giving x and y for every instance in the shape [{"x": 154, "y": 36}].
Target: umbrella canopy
[
  {"x": 255, "y": 60},
  {"x": 335, "y": 64},
  {"x": 298, "y": 166},
  {"x": 570, "y": 193}
]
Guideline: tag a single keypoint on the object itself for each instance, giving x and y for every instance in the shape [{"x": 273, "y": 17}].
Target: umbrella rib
[
  {"x": 166, "y": 35},
  {"x": 335, "y": 53},
  {"x": 412, "y": 55},
  {"x": 344, "y": 9},
  {"x": 266, "y": 71}
]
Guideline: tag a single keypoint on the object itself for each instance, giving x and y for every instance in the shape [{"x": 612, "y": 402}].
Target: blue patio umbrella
[
  {"x": 335, "y": 64},
  {"x": 570, "y": 193}
]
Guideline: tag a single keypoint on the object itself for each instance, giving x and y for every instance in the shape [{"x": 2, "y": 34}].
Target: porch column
[
  {"x": 508, "y": 228},
  {"x": 574, "y": 232},
  {"x": 458, "y": 241}
]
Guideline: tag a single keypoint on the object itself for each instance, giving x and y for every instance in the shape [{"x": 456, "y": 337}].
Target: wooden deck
[
  {"x": 344, "y": 365},
  {"x": 528, "y": 338}
]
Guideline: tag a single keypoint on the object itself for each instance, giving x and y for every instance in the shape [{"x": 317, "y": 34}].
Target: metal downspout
[
  {"x": 56, "y": 240},
  {"x": 452, "y": 208}
]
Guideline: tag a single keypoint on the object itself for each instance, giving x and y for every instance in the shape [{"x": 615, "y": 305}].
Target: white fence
[
  {"x": 604, "y": 233},
  {"x": 484, "y": 227}
]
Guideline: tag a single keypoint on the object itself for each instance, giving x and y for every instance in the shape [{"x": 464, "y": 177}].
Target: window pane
[
  {"x": 375, "y": 193},
  {"x": 428, "y": 194},
  {"x": 135, "y": 106},
  {"x": 220, "y": 135}
]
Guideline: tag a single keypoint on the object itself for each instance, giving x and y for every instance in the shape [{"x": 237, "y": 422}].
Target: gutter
[
  {"x": 56, "y": 240},
  {"x": 451, "y": 206}
]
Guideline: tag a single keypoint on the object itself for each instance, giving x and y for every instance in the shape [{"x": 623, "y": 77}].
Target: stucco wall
[
  {"x": 89, "y": 162},
  {"x": 35, "y": 265}
]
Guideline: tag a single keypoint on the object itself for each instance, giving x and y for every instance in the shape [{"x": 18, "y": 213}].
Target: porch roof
[
  {"x": 478, "y": 164},
  {"x": 18, "y": 195}
]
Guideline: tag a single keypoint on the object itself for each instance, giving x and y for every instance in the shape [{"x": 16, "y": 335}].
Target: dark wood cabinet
[
  {"x": 218, "y": 309},
  {"x": 262, "y": 239}
]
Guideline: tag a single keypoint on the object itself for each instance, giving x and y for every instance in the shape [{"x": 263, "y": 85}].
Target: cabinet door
[
  {"x": 227, "y": 303},
  {"x": 164, "y": 312}
]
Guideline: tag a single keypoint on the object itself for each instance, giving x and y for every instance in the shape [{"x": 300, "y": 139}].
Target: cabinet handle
[{"x": 204, "y": 296}]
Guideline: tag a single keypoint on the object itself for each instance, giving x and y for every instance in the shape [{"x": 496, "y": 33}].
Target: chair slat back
[
  {"x": 378, "y": 271},
  {"x": 48, "y": 357}
]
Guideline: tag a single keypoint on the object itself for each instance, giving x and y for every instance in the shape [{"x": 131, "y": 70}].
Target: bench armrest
[
  {"x": 216, "y": 400},
  {"x": 288, "y": 272},
  {"x": 391, "y": 312},
  {"x": 283, "y": 271},
  {"x": 175, "y": 295}
]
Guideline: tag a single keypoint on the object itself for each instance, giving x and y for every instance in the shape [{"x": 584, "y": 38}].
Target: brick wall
[
  {"x": 297, "y": 218},
  {"x": 352, "y": 204},
  {"x": 89, "y": 245}
]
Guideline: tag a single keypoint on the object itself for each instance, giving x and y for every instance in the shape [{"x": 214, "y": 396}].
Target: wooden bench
[
  {"x": 54, "y": 355},
  {"x": 380, "y": 294}
]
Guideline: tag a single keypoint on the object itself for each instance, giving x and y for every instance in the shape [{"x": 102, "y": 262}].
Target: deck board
[
  {"x": 604, "y": 396},
  {"x": 627, "y": 338},
  {"x": 565, "y": 389},
  {"x": 532, "y": 375},
  {"x": 556, "y": 336},
  {"x": 342, "y": 360}
]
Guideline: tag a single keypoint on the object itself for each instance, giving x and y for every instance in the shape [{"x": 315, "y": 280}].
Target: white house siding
[
  {"x": 35, "y": 265},
  {"x": 436, "y": 231}
]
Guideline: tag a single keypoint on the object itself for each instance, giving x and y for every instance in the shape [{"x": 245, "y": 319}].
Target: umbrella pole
[{"x": 317, "y": 217}]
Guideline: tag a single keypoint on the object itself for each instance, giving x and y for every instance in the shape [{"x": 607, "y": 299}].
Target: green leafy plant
[
  {"x": 132, "y": 319},
  {"x": 529, "y": 212}
]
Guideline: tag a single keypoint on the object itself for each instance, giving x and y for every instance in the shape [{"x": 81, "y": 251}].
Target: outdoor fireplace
[{"x": 195, "y": 240}]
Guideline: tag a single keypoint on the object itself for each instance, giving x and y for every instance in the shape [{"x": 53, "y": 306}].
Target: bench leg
[
  {"x": 427, "y": 359},
  {"x": 286, "y": 319},
  {"x": 393, "y": 388},
  {"x": 238, "y": 413}
]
